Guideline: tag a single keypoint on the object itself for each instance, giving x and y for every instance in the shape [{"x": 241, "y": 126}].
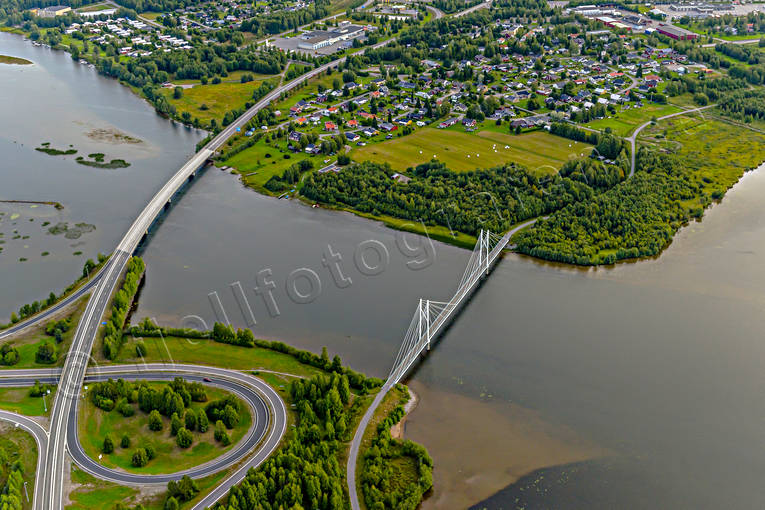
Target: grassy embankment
[
  {"x": 29, "y": 340},
  {"x": 19, "y": 401},
  {"x": 94, "y": 424},
  {"x": 403, "y": 469},
  {"x": 20, "y": 446},
  {"x": 91, "y": 493}
]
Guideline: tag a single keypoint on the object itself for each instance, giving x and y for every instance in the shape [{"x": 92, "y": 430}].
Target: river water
[
  {"x": 59, "y": 101},
  {"x": 637, "y": 386}
]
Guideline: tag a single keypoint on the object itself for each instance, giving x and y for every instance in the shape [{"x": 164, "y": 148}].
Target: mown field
[
  {"x": 538, "y": 151},
  {"x": 209, "y": 352},
  {"x": 18, "y": 400},
  {"x": 260, "y": 162}
]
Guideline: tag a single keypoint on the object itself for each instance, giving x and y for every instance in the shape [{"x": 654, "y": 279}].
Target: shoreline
[{"x": 398, "y": 430}]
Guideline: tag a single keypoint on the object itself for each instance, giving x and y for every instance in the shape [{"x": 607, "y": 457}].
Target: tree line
[
  {"x": 123, "y": 300},
  {"x": 492, "y": 198},
  {"x": 357, "y": 380}
]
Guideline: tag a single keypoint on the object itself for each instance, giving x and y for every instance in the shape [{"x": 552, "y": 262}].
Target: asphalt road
[
  {"x": 41, "y": 438},
  {"x": 48, "y": 312}
]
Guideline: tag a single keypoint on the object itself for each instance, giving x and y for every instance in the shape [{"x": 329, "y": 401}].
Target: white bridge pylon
[{"x": 431, "y": 316}]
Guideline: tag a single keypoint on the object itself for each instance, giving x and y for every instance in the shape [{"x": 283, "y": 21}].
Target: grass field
[
  {"x": 94, "y": 424},
  {"x": 19, "y": 401},
  {"x": 538, "y": 151},
  {"x": 260, "y": 162},
  {"x": 93, "y": 494},
  {"x": 624, "y": 122},
  {"x": 220, "y": 98},
  {"x": 208, "y": 352},
  {"x": 20, "y": 446}
]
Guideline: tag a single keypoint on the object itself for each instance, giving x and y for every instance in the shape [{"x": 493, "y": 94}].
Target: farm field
[{"x": 538, "y": 151}]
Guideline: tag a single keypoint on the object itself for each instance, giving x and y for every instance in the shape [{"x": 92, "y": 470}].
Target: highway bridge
[
  {"x": 79, "y": 354},
  {"x": 49, "y": 482}
]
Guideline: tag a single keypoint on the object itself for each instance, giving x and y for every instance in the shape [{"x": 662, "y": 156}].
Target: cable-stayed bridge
[
  {"x": 431, "y": 317},
  {"x": 429, "y": 321}
]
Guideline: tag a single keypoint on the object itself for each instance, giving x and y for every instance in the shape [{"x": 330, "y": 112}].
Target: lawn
[
  {"x": 93, "y": 494},
  {"x": 18, "y": 400},
  {"x": 209, "y": 352},
  {"x": 538, "y": 151},
  {"x": 94, "y": 424},
  {"x": 624, "y": 122},
  {"x": 257, "y": 164},
  {"x": 229, "y": 94},
  {"x": 20, "y": 446}
]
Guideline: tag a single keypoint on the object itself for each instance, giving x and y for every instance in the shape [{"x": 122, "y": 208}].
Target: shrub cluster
[{"x": 113, "y": 337}]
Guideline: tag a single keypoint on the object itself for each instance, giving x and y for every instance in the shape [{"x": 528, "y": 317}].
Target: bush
[
  {"x": 9, "y": 355},
  {"x": 184, "y": 438},
  {"x": 46, "y": 353},
  {"x": 220, "y": 434},
  {"x": 155, "y": 421},
  {"x": 183, "y": 490},
  {"x": 203, "y": 423},
  {"x": 125, "y": 409},
  {"x": 125, "y": 442},
  {"x": 151, "y": 453},
  {"x": 190, "y": 419},
  {"x": 140, "y": 458},
  {"x": 175, "y": 424},
  {"x": 108, "y": 446}
]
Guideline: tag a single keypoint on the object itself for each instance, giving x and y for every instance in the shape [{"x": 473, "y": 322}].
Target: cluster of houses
[
  {"x": 218, "y": 14},
  {"x": 134, "y": 37}
]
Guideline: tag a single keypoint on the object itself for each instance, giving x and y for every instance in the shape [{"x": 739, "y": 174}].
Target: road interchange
[{"x": 263, "y": 437}]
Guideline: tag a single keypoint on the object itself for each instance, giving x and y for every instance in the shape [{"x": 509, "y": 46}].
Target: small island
[
  {"x": 50, "y": 151},
  {"x": 97, "y": 161},
  {"x": 7, "y": 59}
]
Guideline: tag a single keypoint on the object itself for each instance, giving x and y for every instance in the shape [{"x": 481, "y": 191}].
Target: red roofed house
[{"x": 329, "y": 126}]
